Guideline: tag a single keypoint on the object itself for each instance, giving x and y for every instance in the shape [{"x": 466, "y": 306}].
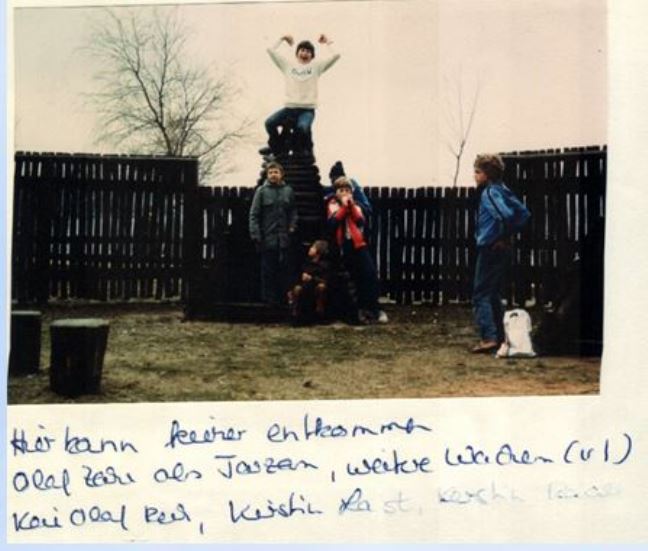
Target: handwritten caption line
[{"x": 98, "y": 476}]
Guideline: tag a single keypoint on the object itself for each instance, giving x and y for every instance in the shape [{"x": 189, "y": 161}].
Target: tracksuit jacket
[{"x": 499, "y": 215}]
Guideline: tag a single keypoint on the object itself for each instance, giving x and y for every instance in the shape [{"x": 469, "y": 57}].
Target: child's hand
[
  {"x": 288, "y": 38},
  {"x": 306, "y": 277},
  {"x": 323, "y": 39}
]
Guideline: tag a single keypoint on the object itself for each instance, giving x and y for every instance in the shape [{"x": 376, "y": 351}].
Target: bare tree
[
  {"x": 152, "y": 99},
  {"x": 459, "y": 120}
]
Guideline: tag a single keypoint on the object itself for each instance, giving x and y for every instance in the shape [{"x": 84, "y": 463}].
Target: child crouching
[{"x": 308, "y": 297}]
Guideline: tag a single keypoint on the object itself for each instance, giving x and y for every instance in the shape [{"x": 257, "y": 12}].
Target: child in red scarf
[{"x": 346, "y": 219}]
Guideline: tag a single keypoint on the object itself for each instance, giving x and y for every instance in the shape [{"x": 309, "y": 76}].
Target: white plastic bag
[{"x": 517, "y": 331}]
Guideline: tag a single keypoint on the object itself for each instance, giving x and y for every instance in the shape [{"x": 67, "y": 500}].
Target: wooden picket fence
[
  {"x": 99, "y": 227},
  {"x": 422, "y": 239},
  {"x": 120, "y": 228}
]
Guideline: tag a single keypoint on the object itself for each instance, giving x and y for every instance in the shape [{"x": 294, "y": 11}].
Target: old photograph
[{"x": 308, "y": 200}]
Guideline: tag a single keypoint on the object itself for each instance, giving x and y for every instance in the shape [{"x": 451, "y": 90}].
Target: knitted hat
[{"x": 336, "y": 171}]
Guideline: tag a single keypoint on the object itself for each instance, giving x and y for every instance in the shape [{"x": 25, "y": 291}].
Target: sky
[{"x": 385, "y": 109}]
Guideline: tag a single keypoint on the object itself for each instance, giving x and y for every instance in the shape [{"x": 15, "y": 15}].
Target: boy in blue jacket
[{"x": 500, "y": 214}]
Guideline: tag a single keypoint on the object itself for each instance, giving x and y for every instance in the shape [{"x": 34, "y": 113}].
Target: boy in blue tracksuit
[{"x": 499, "y": 215}]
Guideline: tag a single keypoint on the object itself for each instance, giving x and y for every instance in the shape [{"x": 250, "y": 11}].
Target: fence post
[
  {"x": 44, "y": 208},
  {"x": 191, "y": 230}
]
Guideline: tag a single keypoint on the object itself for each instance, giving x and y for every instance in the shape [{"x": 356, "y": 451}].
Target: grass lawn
[{"x": 153, "y": 355}]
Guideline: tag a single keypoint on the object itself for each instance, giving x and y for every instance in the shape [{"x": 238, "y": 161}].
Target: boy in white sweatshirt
[{"x": 301, "y": 76}]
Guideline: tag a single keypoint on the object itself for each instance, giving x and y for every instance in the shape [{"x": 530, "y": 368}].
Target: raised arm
[
  {"x": 279, "y": 60},
  {"x": 333, "y": 56}
]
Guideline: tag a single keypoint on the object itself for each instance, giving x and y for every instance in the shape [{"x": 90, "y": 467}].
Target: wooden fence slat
[
  {"x": 103, "y": 258},
  {"x": 437, "y": 253},
  {"x": 399, "y": 236},
  {"x": 419, "y": 234},
  {"x": 149, "y": 249},
  {"x": 76, "y": 252},
  {"x": 167, "y": 224},
  {"x": 408, "y": 245},
  {"x": 463, "y": 245},
  {"x": 381, "y": 207},
  {"x": 444, "y": 246},
  {"x": 56, "y": 239},
  {"x": 453, "y": 270},
  {"x": 117, "y": 222}
]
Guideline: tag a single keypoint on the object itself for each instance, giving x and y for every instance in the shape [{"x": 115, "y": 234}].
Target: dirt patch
[{"x": 153, "y": 355}]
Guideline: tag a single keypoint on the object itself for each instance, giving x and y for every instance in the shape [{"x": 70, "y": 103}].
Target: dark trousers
[
  {"x": 300, "y": 120},
  {"x": 363, "y": 272},
  {"x": 487, "y": 300},
  {"x": 276, "y": 275}
]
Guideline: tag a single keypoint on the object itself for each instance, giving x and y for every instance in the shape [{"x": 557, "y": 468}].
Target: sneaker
[
  {"x": 382, "y": 317},
  {"x": 267, "y": 150}
]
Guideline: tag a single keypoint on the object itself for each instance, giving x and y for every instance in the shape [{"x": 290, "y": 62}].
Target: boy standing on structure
[
  {"x": 301, "y": 79},
  {"x": 499, "y": 216},
  {"x": 273, "y": 220}
]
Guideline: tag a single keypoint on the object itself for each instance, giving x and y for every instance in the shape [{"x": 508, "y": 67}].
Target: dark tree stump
[
  {"x": 78, "y": 348},
  {"x": 25, "y": 348}
]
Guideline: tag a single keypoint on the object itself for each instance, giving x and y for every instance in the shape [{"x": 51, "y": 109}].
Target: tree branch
[{"x": 151, "y": 97}]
